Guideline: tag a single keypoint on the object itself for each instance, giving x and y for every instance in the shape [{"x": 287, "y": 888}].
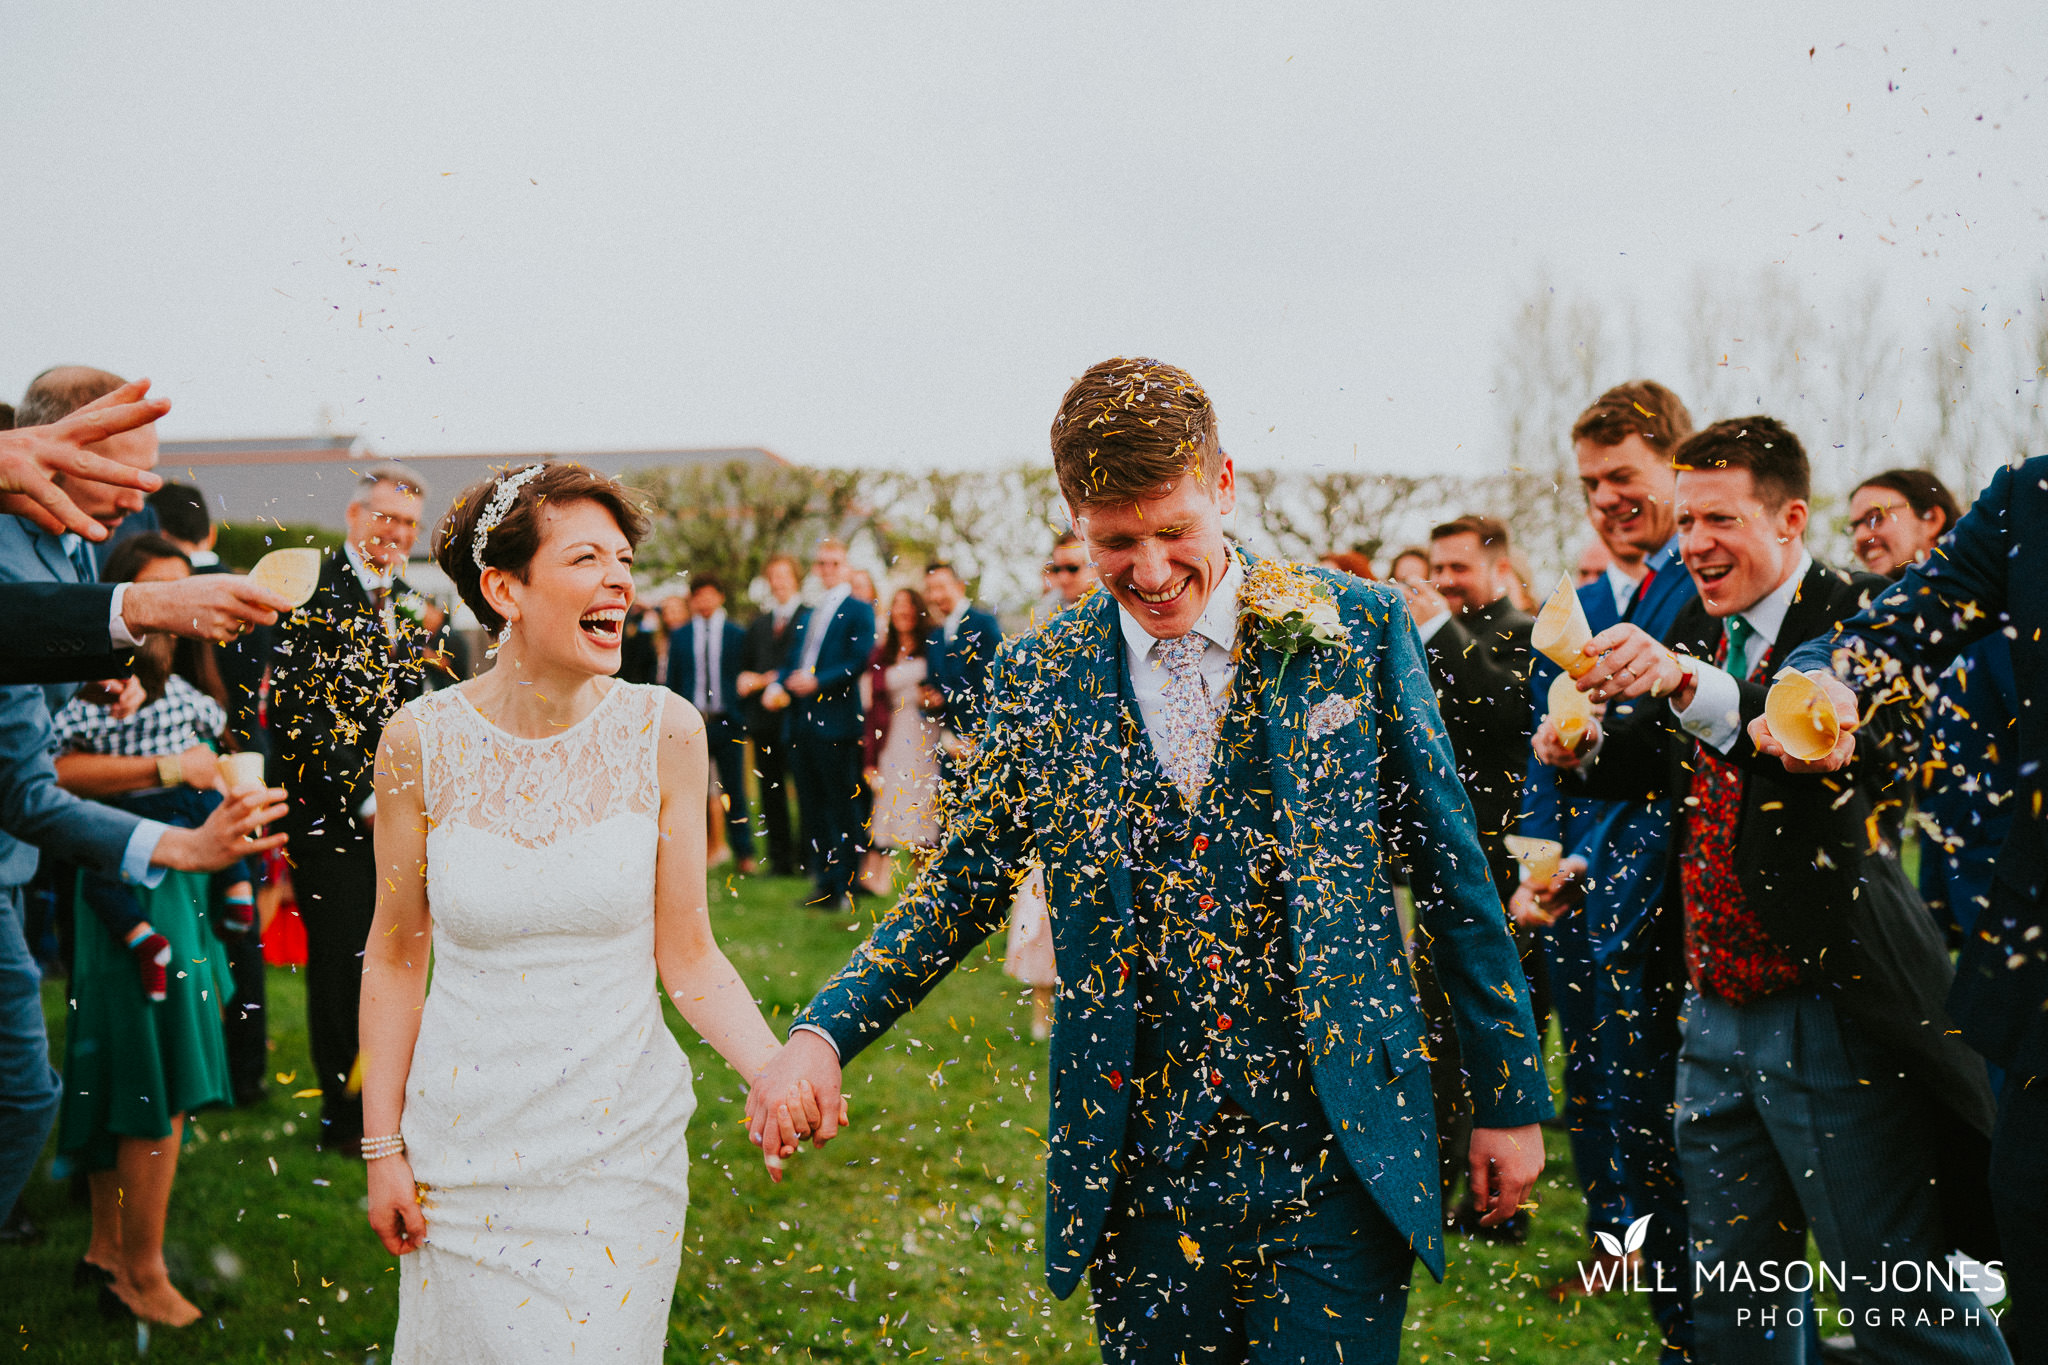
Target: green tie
[{"x": 1740, "y": 633}]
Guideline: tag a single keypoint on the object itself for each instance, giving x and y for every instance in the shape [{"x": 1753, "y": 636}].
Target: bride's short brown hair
[{"x": 515, "y": 538}]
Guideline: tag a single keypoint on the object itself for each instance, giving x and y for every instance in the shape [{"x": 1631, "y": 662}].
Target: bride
[{"x": 541, "y": 830}]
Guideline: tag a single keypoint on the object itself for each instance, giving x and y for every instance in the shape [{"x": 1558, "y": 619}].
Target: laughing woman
[{"x": 540, "y": 832}]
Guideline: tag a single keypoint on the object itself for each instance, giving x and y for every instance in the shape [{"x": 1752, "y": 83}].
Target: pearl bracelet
[{"x": 375, "y": 1147}]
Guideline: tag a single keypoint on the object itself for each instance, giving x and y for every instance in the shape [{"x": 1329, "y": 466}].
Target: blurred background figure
[
  {"x": 705, "y": 659},
  {"x": 1350, "y": 561},
  {"x": 1068, "y": 576},
  {"x": 902, "y": 750},
  {"x": 1970, "y": 765},
  {"x": 1592, "y": 564},
  {"x": 863, "y": 584},
  {"x": 1409, "y": 566},
  {"x": 965, "y": 644},
  {"x": 767, "y": 645}
]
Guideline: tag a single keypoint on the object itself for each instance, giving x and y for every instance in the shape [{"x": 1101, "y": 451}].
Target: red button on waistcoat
[
  {"x": 1116, "y": 1080},
  {"x": 1215, "y": 1078},
  {"x": 1223, "y": 1021},
  {"x": 1206, "y": 902},
  {"x": 1201, "y": 842},
  {"x": 1214, "y": 962}
]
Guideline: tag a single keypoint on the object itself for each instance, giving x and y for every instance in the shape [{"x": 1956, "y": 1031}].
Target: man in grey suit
[{"x": 35, "y": 813}]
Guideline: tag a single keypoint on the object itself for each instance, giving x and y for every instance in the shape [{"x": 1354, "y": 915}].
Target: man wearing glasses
[{"x": 1068, "y": 575}]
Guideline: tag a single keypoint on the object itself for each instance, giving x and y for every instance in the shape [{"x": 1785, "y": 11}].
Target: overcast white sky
[{"x": 891, "y": 234}]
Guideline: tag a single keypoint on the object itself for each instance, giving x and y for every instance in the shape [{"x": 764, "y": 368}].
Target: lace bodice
[{"x": 536, "y": 791}]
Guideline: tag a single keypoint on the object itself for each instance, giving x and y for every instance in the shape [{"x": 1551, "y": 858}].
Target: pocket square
[{"x": 1329, "y": 714}]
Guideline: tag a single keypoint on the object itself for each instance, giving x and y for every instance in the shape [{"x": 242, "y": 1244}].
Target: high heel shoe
[
  {"x": 86, "y": 1275},
  {"x": 111, "y": 1306}
]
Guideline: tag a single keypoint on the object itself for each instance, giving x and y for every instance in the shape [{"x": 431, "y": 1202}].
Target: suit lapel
[
  {"x": 50, "y": 551},
  {"x": 1811, "y": 612}
]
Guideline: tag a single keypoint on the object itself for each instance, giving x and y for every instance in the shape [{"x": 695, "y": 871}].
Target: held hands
[
  {"x": 795, "y": 1096},
  {"x": 1504, "y": 1166},
  {"x": 1848, "y": 715},
  {"x": 395, "y": 1205},
  {"x": 802, "y": 684},
  {"x": 774, "y": 699}
]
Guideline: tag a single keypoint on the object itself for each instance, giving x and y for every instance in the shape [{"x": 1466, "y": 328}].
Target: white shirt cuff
[
  {"x": 368, "y": 810},
  {"x": 1715, "y": 716},
  {"x": 1428, "y": 629},
  {"x": 117, "y": 629},
  {"x": 813, "y": 1028},
  {"x": 136, "y": 864}
]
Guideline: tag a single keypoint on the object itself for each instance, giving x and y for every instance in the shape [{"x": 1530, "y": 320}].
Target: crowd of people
[{"x": 1769, "y": 1030}]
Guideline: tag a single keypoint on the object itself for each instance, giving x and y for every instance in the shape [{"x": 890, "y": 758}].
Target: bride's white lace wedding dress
[{"x": 545, "y": 1107}]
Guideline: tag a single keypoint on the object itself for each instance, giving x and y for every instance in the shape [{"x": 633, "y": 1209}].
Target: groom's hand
[
  {"x": 1505, "y": 1164},
  {"x": 795, "y": 1096}
]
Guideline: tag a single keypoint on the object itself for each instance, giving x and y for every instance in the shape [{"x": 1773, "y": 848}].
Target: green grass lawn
[{"x": 917, "y": 1235}]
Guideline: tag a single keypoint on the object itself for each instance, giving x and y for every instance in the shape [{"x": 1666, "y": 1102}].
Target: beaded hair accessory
[{"x": 501, "y": 502}]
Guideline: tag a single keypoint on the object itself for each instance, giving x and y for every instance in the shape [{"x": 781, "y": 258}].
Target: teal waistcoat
[{"x": 1218, "y": 1014}]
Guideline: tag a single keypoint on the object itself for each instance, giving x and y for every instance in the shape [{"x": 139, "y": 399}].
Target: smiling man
[
  {"x": 1208, "y": 759},
  {"x": 1818, "y": 1085},
  {"x": 341, "y": 665}
]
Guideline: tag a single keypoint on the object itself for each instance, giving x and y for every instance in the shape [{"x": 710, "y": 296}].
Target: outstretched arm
[
  {"x": 395, "y": 979},
  {"x": 958, "y": 899},
  {"x": 695, "y": 973}
]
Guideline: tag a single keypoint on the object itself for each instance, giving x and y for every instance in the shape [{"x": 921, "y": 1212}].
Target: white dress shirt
[
  {"x": 950, "y": 627},
  {"x": 1623, "y": 587},
  {"x": 1715, "y": 716},
  {"x": 821, "y": 621},
  {"x": 1217, "y": 624}
]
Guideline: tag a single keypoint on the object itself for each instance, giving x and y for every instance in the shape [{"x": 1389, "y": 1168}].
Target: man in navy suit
[
  {"x": 968, "y": 639},
  {"x": 704, "y": 663},
  {"x": 1983, "y": 579},
  {"x": 1617, "y": 973},
  {"x": 819, "y": 685}
]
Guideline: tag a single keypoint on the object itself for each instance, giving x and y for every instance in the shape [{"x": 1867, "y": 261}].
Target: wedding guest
[
  {"x": 240, "y": 664},
  {"x": 968, "y": 637},
  {"x": 1477, "y": 645},
  {"x": 902, "y": 751},
  {"x": 343, "y": 664},
  {"x": 863, "y": 585},
  {"x": 1351, "y": 562},
  {"x": 767, "y": 646},
  {"x": 819, "y": 685},
  {"x": 1984, "y": 581},
  {"x": 1617, "y": 974},
  {"x": 50, "y": 484},
  {"x": 705, "y": 659},
  {"x": 1068, "y": 576},
  {"x": 1027, "y": 952},
  {"x": 142, "y": 1050},
  {"x": 1971, "y": 764},
  {"x": 643, "y": 654},
  {"x": 1410, "y": 565},
  {"x": 1820, "y": 1086}
]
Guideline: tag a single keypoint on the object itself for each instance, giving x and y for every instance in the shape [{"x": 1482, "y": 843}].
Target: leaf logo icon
[
  {"x": 1608, "y": 1243},
  {"x": 1638, "y": 1232}
]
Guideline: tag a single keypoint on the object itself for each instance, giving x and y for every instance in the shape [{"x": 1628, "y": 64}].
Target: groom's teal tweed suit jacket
[{"x": 1357, "y": 748}]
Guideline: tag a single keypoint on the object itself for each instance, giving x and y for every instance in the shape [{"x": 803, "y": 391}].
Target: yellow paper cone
[
  {"x": 292, "y": 574},
  {"x": 1571, "y": 711},
  {"x": 1561, "y": 630},
  {"x": 1801, "y": 717},
  {"x": 242, "y": 770},
  {"x": 1539, "y": 857}
]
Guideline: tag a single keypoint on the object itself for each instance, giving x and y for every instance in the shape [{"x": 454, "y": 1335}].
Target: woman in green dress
[{"x": 142, "y": 1050}]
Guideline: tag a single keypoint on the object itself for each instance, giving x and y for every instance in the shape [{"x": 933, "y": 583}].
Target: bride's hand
[{"x": 395, "y": 1205}]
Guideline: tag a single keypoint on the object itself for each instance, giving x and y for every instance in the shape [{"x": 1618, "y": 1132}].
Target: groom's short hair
[{"x": 1128, "y": 428}]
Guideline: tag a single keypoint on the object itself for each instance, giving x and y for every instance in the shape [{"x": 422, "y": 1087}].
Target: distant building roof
[{"x": 308, "y": 480}]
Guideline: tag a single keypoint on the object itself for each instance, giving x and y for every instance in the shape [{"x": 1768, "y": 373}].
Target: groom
[{"x": 1210, "y": 759}]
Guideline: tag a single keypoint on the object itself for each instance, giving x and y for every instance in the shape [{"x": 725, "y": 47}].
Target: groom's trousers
[
  {"x": 1263, "y": 1247},
  {"x": 336, "y": 888}
]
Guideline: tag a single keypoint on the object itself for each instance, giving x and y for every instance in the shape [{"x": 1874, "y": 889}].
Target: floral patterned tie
[{"x": 1189, "y": 717}]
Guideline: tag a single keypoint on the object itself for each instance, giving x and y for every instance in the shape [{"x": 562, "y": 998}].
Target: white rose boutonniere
[
  {"x": 410, "y": 608},
  {"x": 1289, "y": 610}
]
